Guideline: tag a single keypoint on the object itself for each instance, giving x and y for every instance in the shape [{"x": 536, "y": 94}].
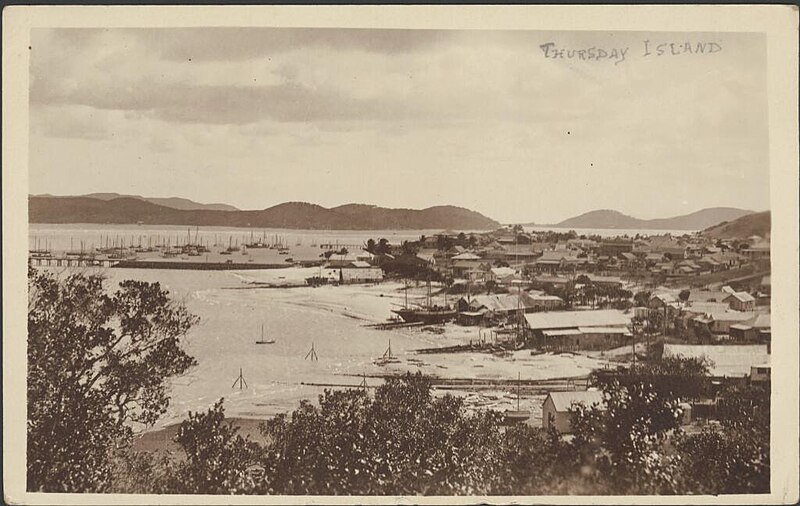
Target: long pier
[
  {"x": 527, "y": 385},
  {"x": 70, "y": 262},
  {"x": 198, "y": 266},
  {"x": 338, "y": 246}
]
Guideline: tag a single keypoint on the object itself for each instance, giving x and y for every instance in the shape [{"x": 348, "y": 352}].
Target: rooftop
[
  {"x": 724, "y": 360},
  {"x": 564, "y": 400},
  {"x": 466, "y": 256},
  {"x": 568, "y": 319},
  {"x": 742, "y": 296}
]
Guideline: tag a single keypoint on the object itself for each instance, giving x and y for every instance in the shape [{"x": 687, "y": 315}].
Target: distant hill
[
  {"x": 299, "y": 215},
  {"x": 753, "y": 224},
  {"x": 610, "y": 219},
  {"x": 172, "y": 202},
  {"x": 439, "y": 217}
]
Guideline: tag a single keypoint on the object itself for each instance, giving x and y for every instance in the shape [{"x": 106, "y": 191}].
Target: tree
[
  {"x": 670, "y": 377},
  {"x": 403, "y": 441},
  {"x": 370, "y": 246},
  {"x": 409, "y": 247},
  {"x": 383, "y": 247},
  {"x": 96, "y": 361},
  {"x": 217, "y": 458},
  {"x": 626, "y": 442},
  {"x": 734, "y": 458},
  {"x": 684, "y": 295},
  {"x": 640, "y": 299},
  {"x": 443, "y": 242}
]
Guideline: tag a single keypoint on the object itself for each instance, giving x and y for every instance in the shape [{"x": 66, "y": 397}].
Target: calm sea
[{"x": 232, "y": 312}]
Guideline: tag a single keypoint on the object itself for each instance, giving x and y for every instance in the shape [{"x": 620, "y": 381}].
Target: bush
[{"x": 97, "y": 362}]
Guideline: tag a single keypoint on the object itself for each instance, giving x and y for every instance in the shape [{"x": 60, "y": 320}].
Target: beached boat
[
  {"x": 426, "y": 315},
  {"x": 262, "y": 340},
  {"x": 429, "y": 313},
  {"x": 387, "y": 357},
  {"x": 518, "y": 415}
]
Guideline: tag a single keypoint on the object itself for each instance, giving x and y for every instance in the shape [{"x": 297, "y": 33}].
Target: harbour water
[{"x": 232, "y": 307}]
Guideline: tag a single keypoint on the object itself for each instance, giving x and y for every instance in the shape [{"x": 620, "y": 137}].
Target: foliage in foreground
[
  {"x": 97, "y": 362},
  {"x": 404, "y": 441}
]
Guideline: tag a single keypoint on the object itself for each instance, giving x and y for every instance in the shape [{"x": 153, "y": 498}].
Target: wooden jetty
[
  {"x": 528, "y": 385},
  {"x": 338, "y": 246},
  {"x": 393, "y": 325},
  {"x": 338, "y": 385},
  {"x": 70, "y": 261},
  {"x": 479, "y": 346},
  {"x": 198, "y": 266}
]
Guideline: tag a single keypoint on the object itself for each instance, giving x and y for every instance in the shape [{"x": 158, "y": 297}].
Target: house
[
  {"x": 583, "y": 244},
  {"x": 743, "y": 332},
  {"x": 765, "y": 286},
  {"x": 761, "y": 373},
  {"x": 741, "y": 301},
  {"x": 427, "y": 256},
  {"x": 554, "y": 281},
  {"x": 707, "y": 296},
  {"x": 665, "y": 302},
  {"x": 701, "y": 308},
  {"x": 485, "y": 309},
  {"x": 708, "y": 264},
  {"x": 757, "y": 328},
  {"x": 762, "y": 326},
  {"x": 614, "y": 248},
  {"x": 501, "y": 275},
  {"x": 605, "y": 281},
  {"x": 758, "y": 251},
  {"x": 556, "y": 406},
  {"x": 724, "y": 361},
  {"x": 570, "y": 330},
  {"x": 464, "y": 262},
  {"x": 344, "y": 260},
  {"x": 727, "y": 259},
  {"x": 543, "y": 302},
  {"x": 668, "y": 246},
  {"x": 554, "y": 261},
  {"x": 628, "y": 259},
  {"x": 719, "y": 322},
  {"x": 689, "y": 267},
  {"x": 353, "y": 274},
  {"x": 498, "y": 303},
  {"x": 518, "y": 254}
]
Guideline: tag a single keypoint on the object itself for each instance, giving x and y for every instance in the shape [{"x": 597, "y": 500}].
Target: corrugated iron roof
[
  {"x": 566, "y": 319},
  {"x": 564, "y": 400},
  {"x": 725, "y": 360}
]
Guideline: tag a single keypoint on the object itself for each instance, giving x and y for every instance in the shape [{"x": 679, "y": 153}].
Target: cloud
[{"x": 474, "y": 118}]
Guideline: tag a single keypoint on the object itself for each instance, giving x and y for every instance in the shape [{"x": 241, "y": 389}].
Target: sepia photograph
[{"x": 356, "y": 259}]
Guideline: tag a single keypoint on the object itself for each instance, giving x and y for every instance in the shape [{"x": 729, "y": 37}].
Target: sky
[{"x": 487, "y": 120}]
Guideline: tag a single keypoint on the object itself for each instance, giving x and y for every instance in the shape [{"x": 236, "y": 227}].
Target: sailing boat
[
  {"x": 387, "y": 357},
  {"x": 427, "y": 314},
  {"x": 262, "y": 341},
  {"x": 519, "y": 415}
]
